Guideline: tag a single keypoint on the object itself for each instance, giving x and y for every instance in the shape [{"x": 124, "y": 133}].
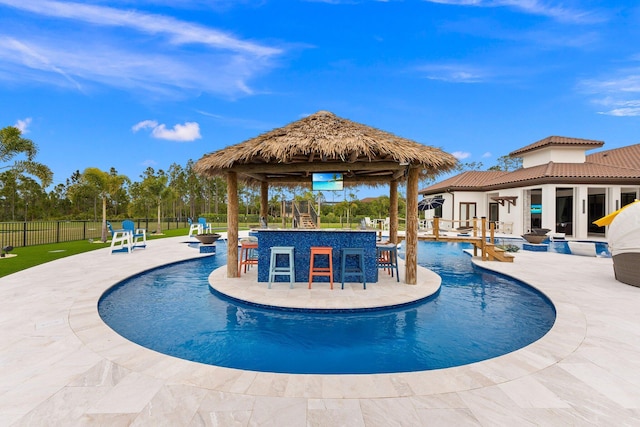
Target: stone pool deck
[{"x": 61, "y": 365}]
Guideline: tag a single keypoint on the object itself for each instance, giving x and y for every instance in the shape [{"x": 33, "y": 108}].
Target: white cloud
[
  {"x": 623, "y": 109},
  {"x": 23, "y": 125},
  {"x": 190, "y": 131},
  {"x": 487, "y": 155},
  {"x": 461, "y": 155},
  {"x": 619, "y": 94},
  {"x": 179, "y": 32},
  {"x": 534, "y": 7},
  {"x": 453, "y": 73},
  {"x": 128, "y": 49},
  {"x": 145, "y": 124}
]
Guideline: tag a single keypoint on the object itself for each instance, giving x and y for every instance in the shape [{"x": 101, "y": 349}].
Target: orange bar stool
[
  {"x": 321, "y": 271},
  {"x": 248, "y": 255}
]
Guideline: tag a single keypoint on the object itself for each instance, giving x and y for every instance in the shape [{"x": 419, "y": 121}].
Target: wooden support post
[
  {"x": 492, "y": 229},
  {"x": 232, "y": 224},
  {"x": 436, "y": 227},
  {"x": 283, "y": 213},
  {"x": 483, "y": 242},
  {"x": 393, "y": 212},
  {"x": 264, "y": 200},
  {"x": 411, "y": 239}
]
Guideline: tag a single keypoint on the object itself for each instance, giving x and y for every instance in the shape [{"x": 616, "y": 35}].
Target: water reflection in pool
[{"x": 477, "y": 315}]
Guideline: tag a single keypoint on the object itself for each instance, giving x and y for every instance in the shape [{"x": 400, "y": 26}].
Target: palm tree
[
  {"x": 105, "y": 185},
  {"x": 12, "y": 144},
  {"x": 155, "y": 186}
]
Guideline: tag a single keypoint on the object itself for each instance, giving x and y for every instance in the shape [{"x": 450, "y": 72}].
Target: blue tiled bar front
[{"x": 303, "y": 240}]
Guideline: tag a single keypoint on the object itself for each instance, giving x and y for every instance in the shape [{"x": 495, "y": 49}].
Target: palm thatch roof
[{"x": 324, "y": 142}]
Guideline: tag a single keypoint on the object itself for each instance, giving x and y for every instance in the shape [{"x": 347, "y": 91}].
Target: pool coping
[
  {"x": 61, "y": 362},
  {"x": 564, "y": 337}
]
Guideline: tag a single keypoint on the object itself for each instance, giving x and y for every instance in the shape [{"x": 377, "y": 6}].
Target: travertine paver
[{"x": 61, "y": 365}]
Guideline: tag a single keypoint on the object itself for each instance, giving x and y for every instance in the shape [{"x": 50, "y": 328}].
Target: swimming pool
[{"x": 477, "y": 315}]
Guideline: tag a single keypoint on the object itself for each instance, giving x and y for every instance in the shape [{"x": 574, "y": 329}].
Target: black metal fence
[{"x": 31, "y": 233}]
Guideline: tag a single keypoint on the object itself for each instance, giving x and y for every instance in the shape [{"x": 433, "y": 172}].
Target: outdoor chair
[
  {"x": 136, "y": 234},
  {"x": 205, "y": 227},
  {"x": 110, "y": 228},
  {"x": 194, "y": 228},
  {"x": 121, "y": 240}
]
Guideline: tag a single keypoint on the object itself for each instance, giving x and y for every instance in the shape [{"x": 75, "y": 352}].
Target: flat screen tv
[{"x": 326, "y": 181}]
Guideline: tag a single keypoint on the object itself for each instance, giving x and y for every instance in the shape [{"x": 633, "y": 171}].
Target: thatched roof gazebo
[{"x": 324, "y": 142}]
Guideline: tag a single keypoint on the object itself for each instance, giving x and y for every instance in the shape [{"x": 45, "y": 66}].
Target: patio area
[{"x": 61, "y": 365}]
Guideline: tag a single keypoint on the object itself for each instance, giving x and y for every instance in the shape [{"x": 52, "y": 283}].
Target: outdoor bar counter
[{"x": 303, "y": 239}]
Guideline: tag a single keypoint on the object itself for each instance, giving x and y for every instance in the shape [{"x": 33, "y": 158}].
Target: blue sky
[{"x": 132, "y": 84}]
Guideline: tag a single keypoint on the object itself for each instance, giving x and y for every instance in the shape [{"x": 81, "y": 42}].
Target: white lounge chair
[
  {"x": 194, "y": 228},
  {"x": 120, "y": 240}
]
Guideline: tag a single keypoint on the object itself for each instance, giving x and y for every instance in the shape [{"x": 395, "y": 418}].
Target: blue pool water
[
  {"x": 557, "y": 246},
  {"x": 477, "y": 315}
]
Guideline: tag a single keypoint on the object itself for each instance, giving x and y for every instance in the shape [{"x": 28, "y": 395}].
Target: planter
[
  {"x": 535, "y": 239},
  {"x": 208, "y": 239}
]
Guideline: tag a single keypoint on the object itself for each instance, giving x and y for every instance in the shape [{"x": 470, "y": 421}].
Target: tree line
[{"x": 178, "y": 192}]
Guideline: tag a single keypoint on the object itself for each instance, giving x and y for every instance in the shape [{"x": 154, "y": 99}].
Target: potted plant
[
  {"x": 536, "y": 235},
  {"x": 207, "y": 238}
]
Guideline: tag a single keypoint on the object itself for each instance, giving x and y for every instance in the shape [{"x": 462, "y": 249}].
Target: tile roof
[
  {"x": 619, "y": 165},
  {"x": 624, "y": 157},
  {"x": 471, "y": 180},
  {"x": 558, "y": 141}
]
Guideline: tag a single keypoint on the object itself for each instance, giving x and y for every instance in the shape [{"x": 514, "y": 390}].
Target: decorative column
[
  {"x": 232, "y": 224},
  {"x": 393, "y": 211},
  {"x": 411, "y": 237},
  {"x": 264, "y": 200}
]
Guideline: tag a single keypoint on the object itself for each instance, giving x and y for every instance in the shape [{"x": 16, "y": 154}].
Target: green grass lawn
[{"x": 30, "y": 256}]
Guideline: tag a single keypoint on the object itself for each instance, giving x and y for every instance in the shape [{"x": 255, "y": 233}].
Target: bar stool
[
  {"x": 358, "y": 269},
  {"x": 289, "y": 270},
  {"x": 321, "y": 271},
  {"x": 248, "y": 256},
  {"x": 387, "y": 258}
]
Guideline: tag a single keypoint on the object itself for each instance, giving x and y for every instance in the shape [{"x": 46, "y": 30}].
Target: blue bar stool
[
  {"x": 387, "y": 258},
  {"x": 358, "y": 269},
  {"x": 289, "y": 270}
]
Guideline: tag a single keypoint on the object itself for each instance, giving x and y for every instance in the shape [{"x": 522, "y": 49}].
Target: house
[{"x": 559, "y": 187}]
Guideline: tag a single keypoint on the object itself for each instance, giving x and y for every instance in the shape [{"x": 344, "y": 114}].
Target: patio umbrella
[
  {"x": 432, "y": 203},
  {"x": 606, "y": 220}
]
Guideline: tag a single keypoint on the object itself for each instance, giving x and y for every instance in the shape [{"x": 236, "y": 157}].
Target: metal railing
[{"x": 18, "y": 234}]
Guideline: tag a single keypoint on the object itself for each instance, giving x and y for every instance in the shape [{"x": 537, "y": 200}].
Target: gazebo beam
[
  {"x": 316, "y": 167},
  {"x": 295, "y": 180},
  {"x": 257, "y": 176}
]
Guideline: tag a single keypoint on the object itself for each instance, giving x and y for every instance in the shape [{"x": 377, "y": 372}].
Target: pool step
[{"x": 494, "y": 253}]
